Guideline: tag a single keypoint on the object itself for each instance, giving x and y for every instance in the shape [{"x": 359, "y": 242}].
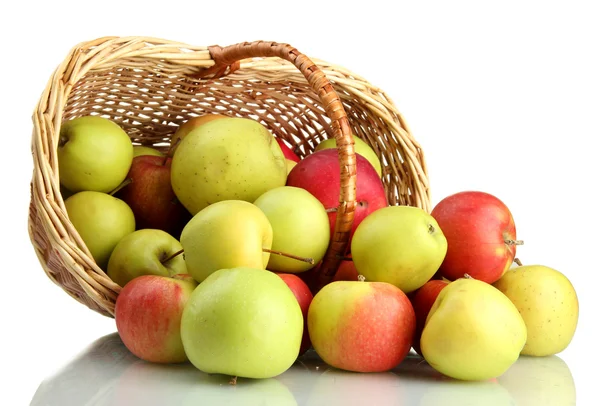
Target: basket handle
[{"x": 227, "y": 60}]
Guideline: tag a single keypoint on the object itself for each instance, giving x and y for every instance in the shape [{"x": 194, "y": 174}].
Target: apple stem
[
  {"x": 233, "y": 380},
  {"x": 518, "y": 262},
  {"x": 513, "y": 242},
  {"x": 121, "y": 186},
  {"x": 361, "y": 278},
  {"x": 331, "y": 210},
  {"x": 467, "y": 276},
  {"x": 164, "y": 162},
  {"x": 283, "y": 254},
  {"x": 170, "y": 257}
]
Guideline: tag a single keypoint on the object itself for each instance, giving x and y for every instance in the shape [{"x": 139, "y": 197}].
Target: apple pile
[{"x": 216, "y": 242}]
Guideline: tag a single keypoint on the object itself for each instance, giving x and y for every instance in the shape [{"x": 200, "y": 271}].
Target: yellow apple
[
  {"x": 185, "y": 128},
  {"x": 547, "y": 302},
  {"x": 473, "y": 331}
]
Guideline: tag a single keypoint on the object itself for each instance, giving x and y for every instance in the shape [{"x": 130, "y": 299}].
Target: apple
[
  {"x": 401, "y": 245},
  {"x": 151, "y": 196},
  {"x": 226, "y": 159},
  {"x": 540, "y": 381},
  {"x": 361, "y": 326},
  {"x": 227, "y": 234},
  {"x": 473, "y": 331},
  {"x": 148, "y": 314},
  {"x": 422, "y": 301},
  {"x": 184, "y": 129},
  {"x": 289, "y": 164},
  {"x": 94, "y": 154},
  {"x": 548, "y": 303},
  {"x": 319, "y": 173},
  {"x": 139, "y": 150},
  {"x": 346, "y": 271},
  {"x": 360, "y": 147},
  {"x": 101, "y": 220},
  {"x": 481, "y": 235},
  {"x": 145, "y": 252},
  {"x": 304, "y": 297},
  {"x": 287, "y": 151},
  {"x": 300, "y": 227},
  {"x": 242, "y": 322}
]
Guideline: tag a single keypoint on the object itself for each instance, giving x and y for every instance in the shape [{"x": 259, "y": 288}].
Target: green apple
[
  {"x": 226, "y": 159},
  {"x": 540, "y": 381},
  {"x": 547, "y": 302},
  {"x": 101, "y": 220},
  {"x": 94, "y": 153},
  {"x": 142, "y": 253},
  {"x": 360, "y": 147},
  {"x": 401, "y": 245},
  {"x": 300, "y": 227},
  {"x": 242, "y": 322},
  {"x": 227, "y": 234},
  {"x": 144, "y": 150},
  {"x": 184, "y": 129},
  {"x": 473, "y": 331}
]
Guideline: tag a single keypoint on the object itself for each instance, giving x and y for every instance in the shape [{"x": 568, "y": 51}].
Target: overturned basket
[{"x": 150, "y": 86}]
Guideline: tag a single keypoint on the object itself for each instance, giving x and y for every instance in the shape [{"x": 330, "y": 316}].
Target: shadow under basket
[{"x": 150, "y": 86}]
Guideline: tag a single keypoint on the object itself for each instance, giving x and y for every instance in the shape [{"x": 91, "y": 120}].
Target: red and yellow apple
[
  {"x": 361, "y": 326},
  {"x": 319, "y": 173},
  {"x": 481, "y": 236},
  {"x": 148, "y": 315}
]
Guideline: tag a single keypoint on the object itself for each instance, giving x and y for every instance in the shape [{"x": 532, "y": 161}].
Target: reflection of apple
[
  {"x": 481, "y": 236},
  {"x": 304, "y": 297},
  {"x": 473, "y": 331},
  {"x": 361, "y": 326},
  {"x": 457, "y": 393},
  {"x": 94, "y": 153},
  {"x": 337, "y": 387},
  {"x": 226, "y": 234},
  {"x": 319, "y": 173},
  {"x": 547, "y": 302},
  {"x": 101, "y": 220},
  {"x": 144, "y": 252},
  {"x": 540, "y": 381},
  {"x": 151, "y": 196},
  {"x": 148, "y": 316}
]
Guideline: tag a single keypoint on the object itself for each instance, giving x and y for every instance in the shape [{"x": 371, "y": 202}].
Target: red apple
[
  {"x": 361, "y": 326},
  {"x": 481, "y": 236},
  {"x": 304, "y": 297},
  {"x": 148, "y": 316},
  {"x": 346, "y": 272},
  {"x": 422, "y": 299},
  {"x": 287, "y": 151},
  {"x": 319, "y": 173},
  {"x": 151, "y": 196}
]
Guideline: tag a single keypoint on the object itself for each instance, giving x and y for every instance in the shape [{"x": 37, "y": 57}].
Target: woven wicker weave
[{"x": 149, "y": 86}]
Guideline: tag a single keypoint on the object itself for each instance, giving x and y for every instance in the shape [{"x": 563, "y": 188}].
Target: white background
[{"x": 504, "y": 98}]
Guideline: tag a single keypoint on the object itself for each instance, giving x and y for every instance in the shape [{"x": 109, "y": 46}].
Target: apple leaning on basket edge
[{"x": 217, "y": 239}]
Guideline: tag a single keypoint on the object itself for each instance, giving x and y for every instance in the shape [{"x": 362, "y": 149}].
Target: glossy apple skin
[
  {"x": 361, "y": 326},
  {"x": 319, "y": 173},
  {"x": 148, "y": 315},
  {"x": 422, "y": 300},
  {"x": 287, "y": 151},
  {"x": 477, "y": 226},
  {"x": 151, "y": 196},
  {"x": 304, "y": 297}
]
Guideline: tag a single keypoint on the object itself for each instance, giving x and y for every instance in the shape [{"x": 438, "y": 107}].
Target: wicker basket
[{"x": 149, "y": 86}]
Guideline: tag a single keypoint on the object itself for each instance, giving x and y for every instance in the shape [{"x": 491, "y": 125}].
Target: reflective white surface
[{"x": 106, "y": 373}]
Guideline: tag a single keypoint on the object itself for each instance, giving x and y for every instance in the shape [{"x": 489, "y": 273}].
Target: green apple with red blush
[
  {"x": 361, "y": 326},
  {"x": 148, "y": 314}
]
